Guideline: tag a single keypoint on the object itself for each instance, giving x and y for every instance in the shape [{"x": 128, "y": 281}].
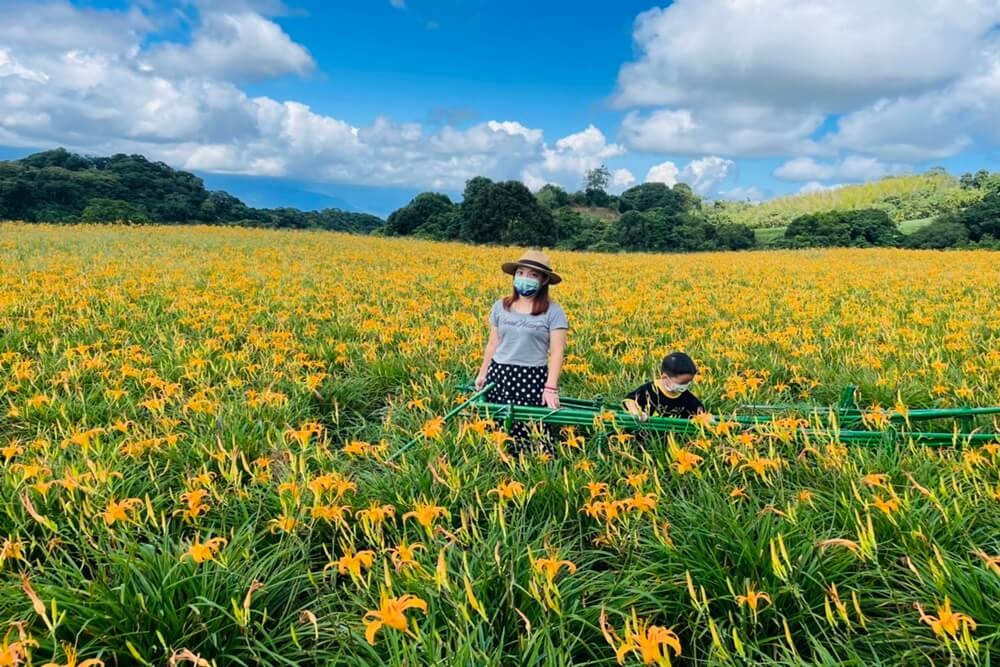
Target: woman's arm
[
  {"x": 491, "y": 347},
  {"x": 557, "y": 351}
]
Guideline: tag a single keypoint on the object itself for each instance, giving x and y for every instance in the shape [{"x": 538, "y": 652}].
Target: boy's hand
[{"x": 635, "y": 411}]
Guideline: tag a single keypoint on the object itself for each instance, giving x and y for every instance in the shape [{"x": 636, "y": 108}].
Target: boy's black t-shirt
[{"x": 653, "y": 400}]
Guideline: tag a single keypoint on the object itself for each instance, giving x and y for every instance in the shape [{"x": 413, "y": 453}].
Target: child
[{"x": 668, "y": 395}]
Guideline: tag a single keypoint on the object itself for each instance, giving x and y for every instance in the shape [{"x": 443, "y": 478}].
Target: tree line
[
  {"x": 649, "y": 217},
  {"x": 63, "y": 187},
  {"x": 655, "y": 217}
]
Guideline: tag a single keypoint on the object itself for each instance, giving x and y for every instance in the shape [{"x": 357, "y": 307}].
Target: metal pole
[{"x": 448, "y": 416}]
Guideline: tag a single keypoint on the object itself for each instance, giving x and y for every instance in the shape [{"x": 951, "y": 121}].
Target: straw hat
[{"x": 535, "y": 260}]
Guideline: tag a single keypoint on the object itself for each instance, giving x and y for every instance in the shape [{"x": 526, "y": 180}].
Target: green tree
[
  {"x": 113, "y": 210},
  {"x": 59, "y": 186},
  {"x": 732, "y": 236},
  {"x": 417, "y": 213},
  {"x": 631, "y": 231},
  {"x": 945, "y": 232},
  {"x": 982, "y": 218},
  {"x": 577, "y": 231},
  {"x": 505, "y": 212},
  {"x": 597, "y": 178},
  {"x": 595, "y": 186},
  {"x": 860, "y": 228},
  {"x": 553, "y": 197},
  {"x": 648, "y": 196}
]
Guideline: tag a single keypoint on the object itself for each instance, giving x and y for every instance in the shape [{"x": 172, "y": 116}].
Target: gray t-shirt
[{"x": 524, "y": 339}]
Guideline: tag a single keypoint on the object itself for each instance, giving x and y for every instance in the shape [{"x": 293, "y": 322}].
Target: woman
[{"x": 524, "y": 354}]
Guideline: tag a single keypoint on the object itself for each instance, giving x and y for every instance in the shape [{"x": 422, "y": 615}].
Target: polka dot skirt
[{"x": 520, "y": 385}]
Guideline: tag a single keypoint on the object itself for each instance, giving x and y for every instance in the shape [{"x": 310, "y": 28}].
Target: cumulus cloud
[
  {"x": 703, "y": 175},
  {"x": 571, "y": 158},
  {"x": 751, "y": 78},
  {"x": 752, "y": 131},
  {"x": 833, "y": 53},
  {"x": 180, "y": 102},
  {"x": 816, "y": 186},
  {"x": 244, "y": 46},
  {"x": 622, "y": 179},
  {"x": 10, "y": 67},
  {"x": 934, "y": 125},
  {"x": 59, "y": 26},
  {"x": 851, "y": 168}
]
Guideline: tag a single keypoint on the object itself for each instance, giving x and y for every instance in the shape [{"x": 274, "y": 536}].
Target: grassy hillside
[
  {"x": 768, "y": 235},
  {"x": 904, "y": 198}
]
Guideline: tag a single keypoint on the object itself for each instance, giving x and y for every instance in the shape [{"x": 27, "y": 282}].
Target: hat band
[{"x": 533, "y": 263}]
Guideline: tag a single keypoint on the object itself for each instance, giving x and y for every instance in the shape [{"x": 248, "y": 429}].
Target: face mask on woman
[{"x": 526, "y": 286}]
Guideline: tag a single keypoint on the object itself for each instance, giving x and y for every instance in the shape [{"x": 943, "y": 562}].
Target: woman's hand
[
  {"x": 550, "y": 399},
  {"x": 480, "y": 381}
]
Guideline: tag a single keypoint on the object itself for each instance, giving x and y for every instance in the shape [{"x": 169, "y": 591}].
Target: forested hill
[{"x": 60, "y": 186}]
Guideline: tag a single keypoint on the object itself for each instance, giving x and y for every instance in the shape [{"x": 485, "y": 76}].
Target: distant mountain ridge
[{"x": 64, "y": 187}]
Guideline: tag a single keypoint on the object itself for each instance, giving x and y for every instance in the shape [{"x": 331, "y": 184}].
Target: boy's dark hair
[{"x": 678, "y": 363}]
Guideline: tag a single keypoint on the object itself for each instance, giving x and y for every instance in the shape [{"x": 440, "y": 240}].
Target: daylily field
[{"x": 196, "y": 425}]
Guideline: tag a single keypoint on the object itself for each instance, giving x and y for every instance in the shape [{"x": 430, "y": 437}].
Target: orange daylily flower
[
  {"x": 391, "y": 613},
  {"x": 119, "y": 510},
  {"x": 947, "y": 623},
  {"x": 507, "y": 490},
  {"x": 201, "y": 552},
  {"x": 426, "y": 514},
  {"x": 352, "y": 562},
  {"x": 651, "y": 643}
]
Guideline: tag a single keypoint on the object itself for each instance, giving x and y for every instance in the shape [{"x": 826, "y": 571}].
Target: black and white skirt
[{"x": 520, "y": 385}]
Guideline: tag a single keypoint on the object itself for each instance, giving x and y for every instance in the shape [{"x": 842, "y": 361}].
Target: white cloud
[
  {"x": 703, "y": 175},
  {"x": 398, "y": 4},
  {"x": 10, "y": 67},
  {"x": 621, "y": 179},
  {"x": 759, "y": 78},
  {"x": 851, "y": 168},
  {"x": 730, "y": 130},
  {"x": 515, "y": 128},
  {"x": 233, "y": 46},
  {"x": 816, "y": 186},
  {"x": 665, "y": 172},
  {"x": 570, "y": 159},
  {"x": 834, "y": 53},
  {"x": 937, "y": 124},
  {"x": 59, "y": 26},
  {"x": 178, "y": 103}
]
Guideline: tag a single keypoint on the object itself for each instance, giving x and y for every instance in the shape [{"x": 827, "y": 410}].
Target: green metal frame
[{"x": 823, "y": 422}]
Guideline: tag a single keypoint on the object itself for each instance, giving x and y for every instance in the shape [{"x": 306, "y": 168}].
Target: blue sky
[{"x": 363, "y": 103}]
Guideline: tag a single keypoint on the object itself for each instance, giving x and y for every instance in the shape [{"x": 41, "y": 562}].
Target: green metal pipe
[
  {"x": 578, "y": 417},
  {"x": 922, "y": 414},
  {"x": 472, "y": 399}
]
